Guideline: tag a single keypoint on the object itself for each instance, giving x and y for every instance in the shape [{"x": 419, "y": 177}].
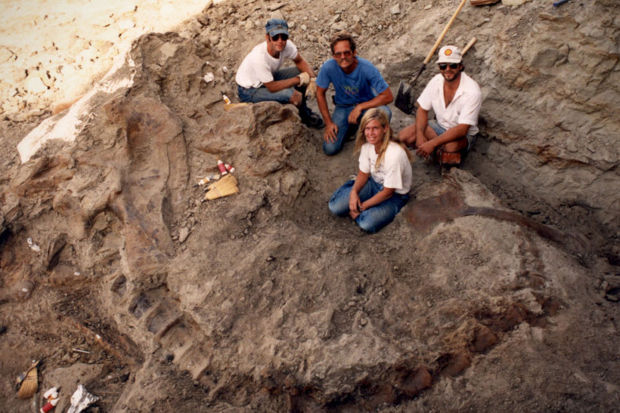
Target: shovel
[{"x": 405, "y": 98}]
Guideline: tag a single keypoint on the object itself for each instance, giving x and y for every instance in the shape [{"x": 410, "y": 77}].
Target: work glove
[
  {"x": 304, "y": 79},
  {"x": 311, "y": 89}
]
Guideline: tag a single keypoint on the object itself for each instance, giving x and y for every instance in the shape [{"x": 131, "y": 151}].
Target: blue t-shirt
[{"x": 363, "y": 84}]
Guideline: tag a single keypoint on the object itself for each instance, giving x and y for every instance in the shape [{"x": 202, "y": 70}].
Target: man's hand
[
  {"x": 331, "y": 132},
  {"x": 296, "y": 98},
  {"x": 311, "y": 89},
  {"x": 304, "y": 79},
  {"x": 355, "y": 114},
  {"x": 426, "y": 149}
]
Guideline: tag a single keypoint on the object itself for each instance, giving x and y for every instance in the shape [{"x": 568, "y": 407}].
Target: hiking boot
[
  {"x": 449, "y": 158},
  {"x": 311, "y": 119}
]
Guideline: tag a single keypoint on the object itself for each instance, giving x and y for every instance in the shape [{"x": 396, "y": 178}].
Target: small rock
[
  {"x": 33, "y": 246},
  {"x": 276, "y": 6},
  {"x": 428, "y": 7},
  {"x": 209, "y": 77},
  {"x": 23, "y": 290},
  {"x": 338, "y": 27},
  {"x": 395, "y": 9},
  {"x": 183, "y": 234},
  {"x": 513, "y": 2}
]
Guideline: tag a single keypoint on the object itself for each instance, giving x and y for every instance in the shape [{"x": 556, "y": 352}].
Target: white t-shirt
[
  {"x": 463, "y": 109},
  {"x": 258, "y": 66},
  {"x": 394, "y": 171}
]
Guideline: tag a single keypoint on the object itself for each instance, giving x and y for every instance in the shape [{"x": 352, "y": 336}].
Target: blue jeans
[
  {"x": 262, "y": 94},
  {"x": 471, "y": 139},
  {"x": 341, "y": 118},
  {"x": 374, "y": 218}
]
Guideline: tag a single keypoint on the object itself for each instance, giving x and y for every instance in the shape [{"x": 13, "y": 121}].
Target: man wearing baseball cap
[
  {"x": 260, "y": 76},
  {"x": 456, "y": 99}
]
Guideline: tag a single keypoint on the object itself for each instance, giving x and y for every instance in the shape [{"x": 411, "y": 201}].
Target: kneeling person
[
  {"x": 358, "y": 85},
  {"x": 383, "y": 181},
  {"x": 260, "y": 78},
  {"x": 456, "y": 100}
]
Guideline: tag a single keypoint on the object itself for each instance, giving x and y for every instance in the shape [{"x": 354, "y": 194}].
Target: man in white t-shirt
[
  {"x": 456, "y": 99},
  {"x": 260, "y": 77}
]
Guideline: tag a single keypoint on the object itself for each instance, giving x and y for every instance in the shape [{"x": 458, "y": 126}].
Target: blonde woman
[{"x": 383, "y": 181}]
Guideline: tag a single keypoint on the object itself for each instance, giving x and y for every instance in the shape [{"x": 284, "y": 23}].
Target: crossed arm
[
  {"x": 355, "y": 205},
  {"x": 425, "y": 138},
  {"x": 302, "y": 65},
  {"x": 428, "y": 140}
]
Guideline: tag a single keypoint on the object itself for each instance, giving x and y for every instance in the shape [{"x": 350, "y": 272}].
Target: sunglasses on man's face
[
  {"x": 444, "y": 66},
  {"x": 346, "y": 53},
  {"x": 278, "y": 37}
]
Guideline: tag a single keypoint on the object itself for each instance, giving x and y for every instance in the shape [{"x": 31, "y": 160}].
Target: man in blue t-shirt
[{"x": 359, "y": 86}]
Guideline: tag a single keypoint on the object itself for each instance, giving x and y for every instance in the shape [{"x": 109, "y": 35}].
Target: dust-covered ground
[{"x": 495, "y": 288}]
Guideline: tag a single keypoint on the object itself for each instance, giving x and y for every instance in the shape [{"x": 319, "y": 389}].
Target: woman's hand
[{"x": 354, "y": 205}]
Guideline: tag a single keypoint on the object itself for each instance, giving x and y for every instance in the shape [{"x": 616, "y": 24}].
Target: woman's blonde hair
[{"x": 381, "y": 117}]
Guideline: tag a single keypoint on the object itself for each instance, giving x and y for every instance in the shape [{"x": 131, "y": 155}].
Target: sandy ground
[{"x": 51, "y": 51}]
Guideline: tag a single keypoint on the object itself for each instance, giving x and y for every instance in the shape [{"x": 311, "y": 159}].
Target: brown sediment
[{"x": 426, "y": 213}]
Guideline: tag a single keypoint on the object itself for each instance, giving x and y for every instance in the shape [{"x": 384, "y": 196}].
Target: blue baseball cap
[{"x": 276, "y": 26}]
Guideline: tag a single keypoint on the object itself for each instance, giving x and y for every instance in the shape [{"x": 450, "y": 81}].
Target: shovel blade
[{"x": 405, "y": 98}]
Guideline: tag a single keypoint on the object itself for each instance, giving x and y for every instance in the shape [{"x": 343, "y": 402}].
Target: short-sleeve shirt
[
  {"x": 361, "y": 85},
  {"x": 258, "y": 67},
  {"x": 463, "y": 109},
  {"x": 394, "y": 170}
]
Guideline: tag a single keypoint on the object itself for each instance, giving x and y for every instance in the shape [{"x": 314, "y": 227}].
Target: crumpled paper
[{"x": 81, "y": 399}]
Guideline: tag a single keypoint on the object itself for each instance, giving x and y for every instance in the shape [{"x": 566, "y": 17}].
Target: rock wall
[{"x": 549, "y": 118}]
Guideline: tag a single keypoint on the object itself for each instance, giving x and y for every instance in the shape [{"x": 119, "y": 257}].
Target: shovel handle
[
  {"x": 468, "y": 46},
  {"x": 443, "y": 33}
]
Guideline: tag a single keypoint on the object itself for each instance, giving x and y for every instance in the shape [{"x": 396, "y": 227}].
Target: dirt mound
[{"x": 119, "y": 275}]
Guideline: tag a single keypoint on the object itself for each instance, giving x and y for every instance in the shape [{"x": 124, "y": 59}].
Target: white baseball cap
[{"x": 449, "y": 54}]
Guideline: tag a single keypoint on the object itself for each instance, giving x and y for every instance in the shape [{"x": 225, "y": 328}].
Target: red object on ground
[
  {"x": 222, "y": 167},
  {"x": 47, "y": 407}
]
